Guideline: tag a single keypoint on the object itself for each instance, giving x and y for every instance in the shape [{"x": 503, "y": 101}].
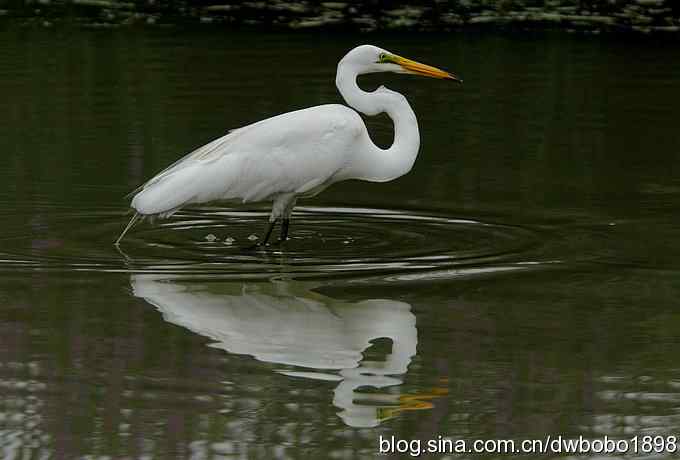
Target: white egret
[{"x": 297, "y": 154}]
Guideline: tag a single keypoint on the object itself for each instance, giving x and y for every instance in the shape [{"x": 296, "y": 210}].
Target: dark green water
[{"x": 522, "y": 280}]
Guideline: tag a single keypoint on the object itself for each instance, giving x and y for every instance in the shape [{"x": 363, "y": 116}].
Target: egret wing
[
  {"x": 208, "y": 152},
  {"x": 289, "y": 153}
]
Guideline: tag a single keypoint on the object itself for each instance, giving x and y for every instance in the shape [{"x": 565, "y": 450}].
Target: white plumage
[
  {"x": 293, "y": 153},
  {"x": 325, "y": 336},
  {"x": 296, "y": 154}
]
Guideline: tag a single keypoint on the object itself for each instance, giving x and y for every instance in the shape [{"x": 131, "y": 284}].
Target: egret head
[{"x": 371, "y": 59}]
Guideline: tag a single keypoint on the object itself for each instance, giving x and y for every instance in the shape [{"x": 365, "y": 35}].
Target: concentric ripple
[{"x": 324, "y": 241}]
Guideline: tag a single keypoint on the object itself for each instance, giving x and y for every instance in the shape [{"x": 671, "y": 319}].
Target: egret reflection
[{"x": 286, "y": 322}]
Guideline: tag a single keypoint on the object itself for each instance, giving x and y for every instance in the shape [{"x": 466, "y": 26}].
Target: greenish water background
[{"x": 520, "y": 281}]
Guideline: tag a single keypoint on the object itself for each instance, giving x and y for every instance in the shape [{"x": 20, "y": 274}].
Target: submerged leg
[
  {"x": 285, "y": 218},
  {"x": 267, "y": 232},
  {"x": 282, "y": 208},
  {"x": 285, "y": 224}
]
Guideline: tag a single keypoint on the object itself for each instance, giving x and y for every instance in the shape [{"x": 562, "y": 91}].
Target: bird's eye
[{"x": 382, "y": 57}]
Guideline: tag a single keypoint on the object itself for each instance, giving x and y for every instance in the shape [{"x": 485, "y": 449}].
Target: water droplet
[
  {"x": 252, "y": 237},
  {"x": 210, "y": 237},
  {"x": 229, "y": 241}
]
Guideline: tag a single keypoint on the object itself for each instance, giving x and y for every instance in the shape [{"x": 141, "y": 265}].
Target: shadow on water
[{"x": 312, "y": 336}]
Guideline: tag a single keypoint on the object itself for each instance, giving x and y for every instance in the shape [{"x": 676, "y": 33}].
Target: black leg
[
  {"x": 267, "y": 233},
  {"x": 285, "y": 224}
]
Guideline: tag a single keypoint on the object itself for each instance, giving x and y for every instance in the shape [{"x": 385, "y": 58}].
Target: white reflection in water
[{"x": 287, "y": 323}]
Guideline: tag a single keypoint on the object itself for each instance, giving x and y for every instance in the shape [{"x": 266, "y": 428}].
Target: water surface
[{"x": 520, "y": 281}]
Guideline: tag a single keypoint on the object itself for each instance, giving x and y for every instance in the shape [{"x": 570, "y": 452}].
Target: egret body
[{"x": 297, "y": 154}]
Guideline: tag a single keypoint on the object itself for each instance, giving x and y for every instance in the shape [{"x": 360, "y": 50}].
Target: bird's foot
[
  {"x": 279, "y": 242},
  {"x": 261, "y": 245},
  {"x": 255, "y": 246}
]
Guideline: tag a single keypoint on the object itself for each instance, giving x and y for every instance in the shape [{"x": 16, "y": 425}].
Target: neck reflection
[{"x": 286, "y": 322}]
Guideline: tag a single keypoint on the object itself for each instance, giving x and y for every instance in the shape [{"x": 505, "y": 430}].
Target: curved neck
[{"x": 376, "y": 164}]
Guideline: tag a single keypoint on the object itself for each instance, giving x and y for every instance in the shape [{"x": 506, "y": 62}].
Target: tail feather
[{"x": 130, "y": 224}]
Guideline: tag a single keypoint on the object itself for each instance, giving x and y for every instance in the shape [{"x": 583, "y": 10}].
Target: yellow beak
[{"x": 423, "y": 69}]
